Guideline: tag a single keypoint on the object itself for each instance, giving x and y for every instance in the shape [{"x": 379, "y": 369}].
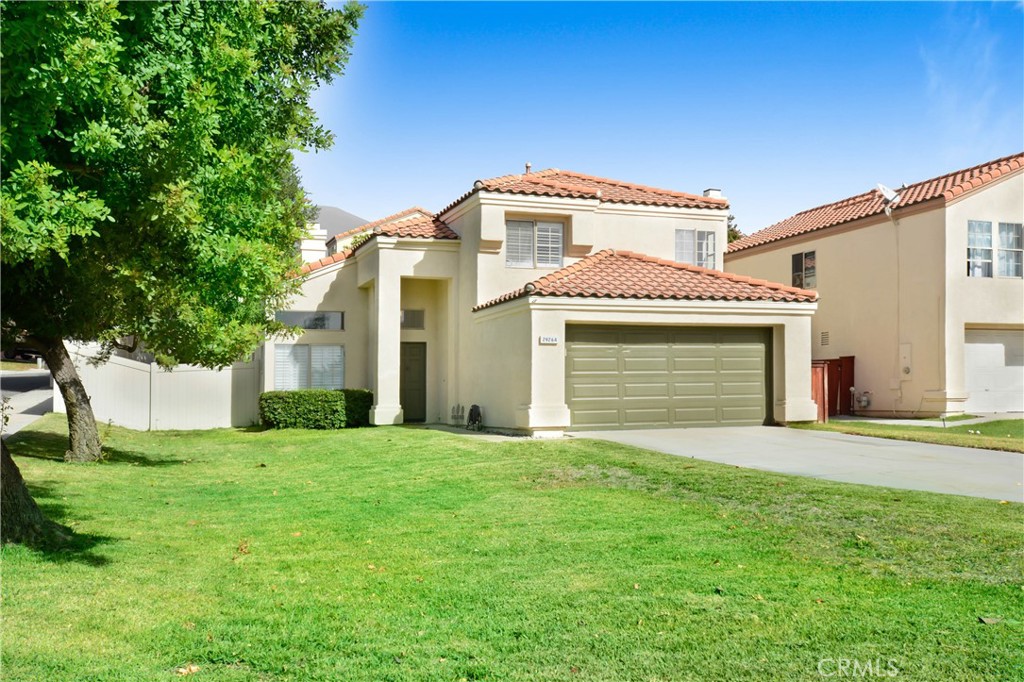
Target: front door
[{"x": 412, "y": 388}]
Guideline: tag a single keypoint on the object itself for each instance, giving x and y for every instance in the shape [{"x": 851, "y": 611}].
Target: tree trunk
[
  {"x": 20, "y": 518},
  {"x": 83, "y": 436}
]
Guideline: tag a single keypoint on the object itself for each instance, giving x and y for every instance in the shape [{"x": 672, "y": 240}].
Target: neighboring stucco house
[
  {"x": 924, "y": 290},
  {"x": 555, "y": 301}
]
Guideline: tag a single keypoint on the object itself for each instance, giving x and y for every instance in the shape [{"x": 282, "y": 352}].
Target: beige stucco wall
[
  {"x": 860, "y": 269},
  {"x": 589, "y": 227},
  {"x": 979, "y": 302},
  {"x": 327, "y": 290},
  {"x": 859, "y": 272}
]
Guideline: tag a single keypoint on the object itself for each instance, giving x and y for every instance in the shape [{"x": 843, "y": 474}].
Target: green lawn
[
  {"x": 403, "y": 554},
  {"x": 1002, "y": 434}
]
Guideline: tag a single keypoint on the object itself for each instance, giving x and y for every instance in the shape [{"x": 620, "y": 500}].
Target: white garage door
[{"x": 994, "y": 370}]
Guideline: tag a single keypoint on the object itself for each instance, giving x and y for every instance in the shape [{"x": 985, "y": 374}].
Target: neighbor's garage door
[
  {"x": 637, "y": 377},
  {"x": 994, "y": 370}
]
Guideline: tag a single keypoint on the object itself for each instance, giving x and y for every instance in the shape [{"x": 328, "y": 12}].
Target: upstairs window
[
  {"x": 979, "y": 248},
  {"x": 805, "y": 271},
  {"x": 533, "y": 244},
  {"x": 331, "y": 321},
  {"x": 1010, "y": 258},
  {"x": 696, "y": 247}
]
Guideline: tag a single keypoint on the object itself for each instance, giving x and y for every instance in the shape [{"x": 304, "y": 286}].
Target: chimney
[
  {"x": 314, "y": 246},
  {"x": 713, "y": 193},
  {"x": 528, "y": 167}
]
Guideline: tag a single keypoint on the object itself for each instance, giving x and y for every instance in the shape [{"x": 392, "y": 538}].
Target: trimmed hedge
[
  {"x": 316, "y": 408},
  {"x": 358, "y": 402}
]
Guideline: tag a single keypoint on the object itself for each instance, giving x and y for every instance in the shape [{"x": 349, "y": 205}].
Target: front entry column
[{"x": 387, "y": 308}]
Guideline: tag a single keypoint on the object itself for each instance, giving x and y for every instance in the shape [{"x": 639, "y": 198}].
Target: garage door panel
[
  {"x": 646, "y": 417},
  {"x": 596, "y": 418},
  {"x": 694, "y": 416},
  {"x": 689, "y": 364},
  {"x": 698, "y": 390},
  {"x": 645, "y": 338},
  {"x": 994, "y": 370},
  {"x": 650, "y": 365},
  {"x": 583, "y": 391},
  {"x": 645, "y": 390},
  {"x": 742, "y": 364},
  {"x": 586, "y": 365},
  {"x": 740, "y": 415},
  {"x": 742, "y": 388},
  {"x": 667, "y": 376}
]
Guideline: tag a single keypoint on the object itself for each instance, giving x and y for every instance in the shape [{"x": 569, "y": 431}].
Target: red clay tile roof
[
  {"x": 413, "y": 212},
  {"x": 422, "y": 226},
  {"x": 427, "y": 227},
  {"x": 560, "y": 183},
  {"x": 624, "y": 274},
  {"x": 946, "y": 187}
]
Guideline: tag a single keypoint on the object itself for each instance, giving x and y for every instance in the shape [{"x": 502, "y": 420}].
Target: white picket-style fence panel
[{"x": 142, "y": 396}]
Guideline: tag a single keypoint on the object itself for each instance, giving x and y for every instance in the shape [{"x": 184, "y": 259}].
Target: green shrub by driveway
[{"x": 407, "y": 554}]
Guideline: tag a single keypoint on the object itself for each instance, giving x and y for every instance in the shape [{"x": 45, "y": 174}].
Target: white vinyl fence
[{"x": 143, "y": 396}]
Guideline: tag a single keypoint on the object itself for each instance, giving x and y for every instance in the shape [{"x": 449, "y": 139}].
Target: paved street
[{"x": 30, "y": 395}]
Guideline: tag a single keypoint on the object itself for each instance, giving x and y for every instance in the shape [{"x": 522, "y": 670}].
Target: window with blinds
[
  {"x": 549, "y": 245},
  {"x": 412, "y": 319},
  {"x": 302, "y": 365},
  {"x": 519, "y": 244},
  {"x": 696, "y": 247},
  {"x": 533, "y": 244}
]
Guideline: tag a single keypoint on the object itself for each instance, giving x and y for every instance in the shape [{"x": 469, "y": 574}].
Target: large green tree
[{"x": 148, "y": 190}]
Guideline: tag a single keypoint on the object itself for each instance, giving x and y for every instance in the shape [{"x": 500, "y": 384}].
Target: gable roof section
[
  {"x": 415, "y": 224},
  {"x": 412, "y": 213},
  {"x": 624, "y": 274},
  {"x": 553, "y": 182},
  {"x": 946, "y": 187}
]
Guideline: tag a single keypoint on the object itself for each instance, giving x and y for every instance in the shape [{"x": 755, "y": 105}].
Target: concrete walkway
[
  {"x": 979, "y": 418},
  {"x": 30, "y": 395},
  {"x": 841, "y": 457}
]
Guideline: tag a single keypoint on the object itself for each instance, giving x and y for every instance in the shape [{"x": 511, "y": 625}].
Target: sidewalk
[{"x": 937, "y": 423}]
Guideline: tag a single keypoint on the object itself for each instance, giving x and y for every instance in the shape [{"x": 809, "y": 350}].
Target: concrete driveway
[
  {"x": 30, "y": 395},
  {"x": 841, "y": 457}
]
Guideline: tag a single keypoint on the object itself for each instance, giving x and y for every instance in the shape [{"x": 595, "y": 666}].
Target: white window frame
[
  {"x": 306, "y": 376},
  {"x": 696, "y": 247},
  {"x": 1010, "y": 250},
  {"x": 803, "y": 270},
  {"x": 535, "y": 244},
  {"x": 980, "y": 261}
]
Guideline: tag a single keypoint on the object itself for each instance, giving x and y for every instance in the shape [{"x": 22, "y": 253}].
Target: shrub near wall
[
  {"x": 358, "y": 402},
  {"x": 303, "y": 409}
]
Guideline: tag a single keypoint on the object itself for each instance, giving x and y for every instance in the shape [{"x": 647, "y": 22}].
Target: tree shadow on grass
[
  {"x": 64, "y": 545},
  {"x": 52, "y": 446}
]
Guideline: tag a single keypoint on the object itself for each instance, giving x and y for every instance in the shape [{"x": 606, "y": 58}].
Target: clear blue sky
[{"x": 783, "y": 106}]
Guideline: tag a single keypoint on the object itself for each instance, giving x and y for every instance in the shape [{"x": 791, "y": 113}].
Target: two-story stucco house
[
  {"x": 554, "y": 301},
  {"x": 924, "y": 289}
]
